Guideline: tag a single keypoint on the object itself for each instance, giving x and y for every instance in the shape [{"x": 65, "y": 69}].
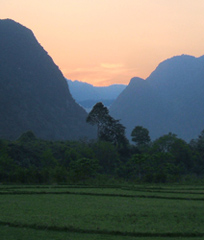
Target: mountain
[
  {"x": 88, "y": 95},
  {"x": 33, "y": 92},
  {"x": 169, "y": 100}
]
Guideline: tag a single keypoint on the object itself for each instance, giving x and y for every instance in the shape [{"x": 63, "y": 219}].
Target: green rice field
[{"x": 84, "y": 212}]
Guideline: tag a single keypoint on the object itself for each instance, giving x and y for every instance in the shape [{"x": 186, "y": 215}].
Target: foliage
[
  {"x": 164, "y": 143},
  {"x": 98, "y": 116},
  {"x": 109, "y": 129},
  {"x": 157, "y": 167},
  {"x": 7, "y": 167},
  {"x": 167, "y": 159},
  {"x": 84, "y": 168},
  {"x": 108, "y": 157},
  {"x": 140, "y": 136},
  {"x": 28, "y": 136}
]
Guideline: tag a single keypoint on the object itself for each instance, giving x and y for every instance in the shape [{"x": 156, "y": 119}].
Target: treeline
[
  {"x": 111, "y": 156},
  {"x": 167, "y": 159}
]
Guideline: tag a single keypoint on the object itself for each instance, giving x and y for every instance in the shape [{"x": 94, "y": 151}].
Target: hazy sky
[{"x": 110, "y": 41}]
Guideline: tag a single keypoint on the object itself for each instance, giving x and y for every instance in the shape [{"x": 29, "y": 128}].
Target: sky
[{"x": 105, "y": 42}]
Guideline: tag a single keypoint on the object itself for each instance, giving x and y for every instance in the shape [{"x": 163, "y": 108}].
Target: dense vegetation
[{"x": 167, "y": 159}]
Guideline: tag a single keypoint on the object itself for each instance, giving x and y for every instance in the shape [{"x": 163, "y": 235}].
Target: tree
[
  {"x": 200, "y": 143},
  {"x": 140, "y": 136},
  {"x": 114, "y": 132},
  {"x": 178, "y": 148},
  {"x": 156, "y": 167},
  {"x": 48, "y": 160},
  {"x": 197, "y": 146},
  {"x": 165, "y": 142},
  {"x": 28, "y": 136},
  {"x": 109, "y": 129},
  {"x": 137, "y": 165},
  {"x": 84, "y": 168},
  {"x": 107, "y": 155},
  {"x": 98, "y": 116},
  {"x": 7, "y": 167}
]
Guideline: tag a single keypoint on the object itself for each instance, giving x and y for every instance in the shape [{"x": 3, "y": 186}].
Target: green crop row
[
  {"x": 136, "y": 191},
  {"x": 102, "y": 212}
]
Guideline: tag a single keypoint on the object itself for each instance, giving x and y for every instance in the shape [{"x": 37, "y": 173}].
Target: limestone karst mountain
[
  {"x": 170, "y": 100},
  {"x": 33, "y": 92},
  {"x": 88, "y": 95}
]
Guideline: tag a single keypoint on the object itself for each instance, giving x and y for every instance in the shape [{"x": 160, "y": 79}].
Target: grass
[
  {"x": 103, "y": 213},
  {"x": 16, "y": 233}
]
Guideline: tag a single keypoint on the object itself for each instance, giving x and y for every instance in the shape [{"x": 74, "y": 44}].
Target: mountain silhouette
[
  {"x": 88, "y": 95},
  {"x": 33, "y": 92},
  {"x": 169, "y": 100}
]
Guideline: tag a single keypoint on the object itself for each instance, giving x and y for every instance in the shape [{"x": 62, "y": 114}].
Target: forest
[{"x": 109, "y": 158}]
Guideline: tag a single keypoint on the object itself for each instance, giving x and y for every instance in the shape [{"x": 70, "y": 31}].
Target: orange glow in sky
[{"x": 103, "y": 42}]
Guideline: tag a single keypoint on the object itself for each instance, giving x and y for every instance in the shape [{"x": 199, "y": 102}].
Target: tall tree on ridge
[
  {"x": 140, "y": 136},
  {"x": 109, "y": 129},
  {"x": 98, "y": 116}
]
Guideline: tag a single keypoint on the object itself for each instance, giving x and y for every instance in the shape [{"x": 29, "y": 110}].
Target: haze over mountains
[
  {"x": 88, "y": 95},
  {"x": 33, "y": 92},
  {"x": 170, "y": 100}
]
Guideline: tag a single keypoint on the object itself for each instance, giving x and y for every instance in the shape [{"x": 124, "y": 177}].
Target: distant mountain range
[
  {"x": 88, "y": 95},
  {"x": 171, "y": 99},
  {"x": 33, "y": 92}
]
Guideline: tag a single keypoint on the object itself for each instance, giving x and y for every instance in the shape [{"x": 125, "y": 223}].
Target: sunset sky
[{"x": 103, "y": 42}]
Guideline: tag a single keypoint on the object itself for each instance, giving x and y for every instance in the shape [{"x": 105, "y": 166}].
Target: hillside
[
  {"x": 88, "y": 95},
  {"x": 33, "y": 92},
  {"x": 169, "y": 100}
]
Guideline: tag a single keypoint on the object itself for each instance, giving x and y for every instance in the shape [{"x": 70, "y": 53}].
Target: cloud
[
  {"x": 111, "y": 65},
  {"x": 102, "y": 74}
]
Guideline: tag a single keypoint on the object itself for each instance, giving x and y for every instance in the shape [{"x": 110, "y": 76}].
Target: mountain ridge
[
  {"x": 33, "y": 92},
  {"x": 88, "y": 95},
  {"x": 169, "y": 100}
]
